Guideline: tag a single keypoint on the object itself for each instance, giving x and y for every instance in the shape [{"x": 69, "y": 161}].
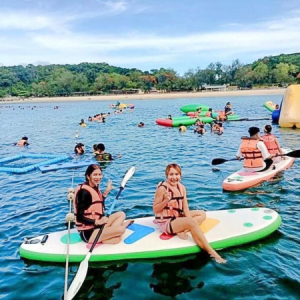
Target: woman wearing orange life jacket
[
  {"x": 254, "y": 151},
  {"x": 89, "y": 210},
  {"x": 209, "y": 113},
  {"x": 271, "y": 142},
  {"x": 172, "y": 213}
]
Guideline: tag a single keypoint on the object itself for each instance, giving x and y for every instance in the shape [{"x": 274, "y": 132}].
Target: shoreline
[{"x": 154, "y": 96}]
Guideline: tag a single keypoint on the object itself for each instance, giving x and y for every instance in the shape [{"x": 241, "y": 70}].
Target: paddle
[
  {"x": 82, "y": 270},
  {"x": 218, "y": 161}
]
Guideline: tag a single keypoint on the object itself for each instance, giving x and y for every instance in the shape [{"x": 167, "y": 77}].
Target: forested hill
[{"x": 96, "y": 78}]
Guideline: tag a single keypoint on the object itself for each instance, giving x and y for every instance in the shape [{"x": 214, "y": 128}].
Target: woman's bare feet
[
  {"x": 114, "y": 240},
  {"x": 127, "y": 223}
]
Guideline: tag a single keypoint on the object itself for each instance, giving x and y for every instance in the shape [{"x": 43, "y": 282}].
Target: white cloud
[
  {"x": 116, "y": 6},
  {"x": 29, "y": 21},
  {"x": 59, "y": 44}
]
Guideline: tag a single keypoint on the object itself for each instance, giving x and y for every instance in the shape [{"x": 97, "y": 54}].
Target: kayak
[
  {"x": 193, "y": 107},
  {"x": 143, "y": 240},
  {"x": 270, "y": 106},
  {"x": 184, "y": 120},
  {"x": 242, "y": 179}
]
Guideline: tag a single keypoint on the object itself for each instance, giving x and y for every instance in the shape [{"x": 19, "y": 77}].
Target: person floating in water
[
  {"x": 79, "y": 149},
  {"x": 101, "y": 155},
  {"x": 82, "y": 123},
  {"x": 23, "y": 142},
  {"x": 182, "y": 128},
  {"x": 141, "y": 124}
]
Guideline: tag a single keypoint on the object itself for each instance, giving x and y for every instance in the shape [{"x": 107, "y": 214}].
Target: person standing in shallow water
[
  {"x": 89, "y": 210},
  {"x": 172, "y": 213}
]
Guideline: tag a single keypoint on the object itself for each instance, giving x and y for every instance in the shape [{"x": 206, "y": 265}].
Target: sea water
[{"x": 34, "y": 203}]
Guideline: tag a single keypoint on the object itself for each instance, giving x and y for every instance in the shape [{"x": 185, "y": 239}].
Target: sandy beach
[{"x": 154, "y": 96}]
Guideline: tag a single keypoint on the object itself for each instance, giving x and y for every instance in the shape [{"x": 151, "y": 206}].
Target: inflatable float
[
  {"x": 185, "y": 120},
  {"x": 270, "y": 106},
  {"x": 290, "y": 108},
  {"x": 143, "y": 240},
  {"x": 193, "y": 107},
  {"x": 70, "y": 165},
  {"x": 242, "y": 179},
  {"x": 50, "y": 159},
  {"x": 121, "y": 106}
]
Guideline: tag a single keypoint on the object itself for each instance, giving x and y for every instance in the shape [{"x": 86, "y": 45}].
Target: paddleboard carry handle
[{"x": 44, "y": 239}]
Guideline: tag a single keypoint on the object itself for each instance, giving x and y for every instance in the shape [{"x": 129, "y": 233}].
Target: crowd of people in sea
[{"x": 170, "y": 204}]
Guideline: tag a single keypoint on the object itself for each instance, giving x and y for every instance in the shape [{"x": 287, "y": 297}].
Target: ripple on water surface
[{"x": 35, "y": 203}]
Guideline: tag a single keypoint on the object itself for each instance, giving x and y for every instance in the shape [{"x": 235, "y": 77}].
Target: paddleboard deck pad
[
  {"x": 243, "y": 179},
  {"x": 143, "y": 240}
]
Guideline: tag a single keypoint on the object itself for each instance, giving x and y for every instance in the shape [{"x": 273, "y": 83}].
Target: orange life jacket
[
  {"x": 222, "y": 115},
  {"x": 173, "y": 209},
  {"x": 270, "y": 142},
  {"x": 96, "y": 209},
  {"x": 252, "y": 155}
]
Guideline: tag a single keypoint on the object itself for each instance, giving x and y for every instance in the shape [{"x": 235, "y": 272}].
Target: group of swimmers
[{"x": 98, "y": 151}]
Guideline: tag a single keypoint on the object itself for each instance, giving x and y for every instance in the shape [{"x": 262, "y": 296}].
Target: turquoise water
[{"x": 35, "y": 203}]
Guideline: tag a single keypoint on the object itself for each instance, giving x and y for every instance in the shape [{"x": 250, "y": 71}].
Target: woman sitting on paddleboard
[
  {"x": 89, "y": 210},
  {"x": 172, "y": 212},
  {"x": 271, "y": 142}
]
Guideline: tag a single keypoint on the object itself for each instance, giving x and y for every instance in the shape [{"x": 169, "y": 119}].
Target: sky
[{"x": 146, "y": 35}]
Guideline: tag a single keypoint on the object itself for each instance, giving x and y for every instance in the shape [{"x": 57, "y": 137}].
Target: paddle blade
[
  {"x": 218, "y": 161},
  {"x": 295, "y": 153},
  {"x": 79, "y": 278},
  {"x": 127, "y": 176}
]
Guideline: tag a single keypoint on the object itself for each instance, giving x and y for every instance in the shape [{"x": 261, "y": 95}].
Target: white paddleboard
[
  {"x": 142, "y": 239},
  {"x": 244, "y": 179}
]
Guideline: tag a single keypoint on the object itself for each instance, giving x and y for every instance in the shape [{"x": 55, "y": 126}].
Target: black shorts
[{"x": 86, "y": 234}]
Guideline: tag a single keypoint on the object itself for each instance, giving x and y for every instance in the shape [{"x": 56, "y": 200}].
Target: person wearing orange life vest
[
  {"x": 209, "y": 113},
  {"x": 271, "y": 142},
  {"x": 172, "y": 213},
  {"x": 255, "y": 153},
  {"x": 22, "y": 142},
  {"x": 89, "y": 210},
  {"x": 222, "y": 116}
]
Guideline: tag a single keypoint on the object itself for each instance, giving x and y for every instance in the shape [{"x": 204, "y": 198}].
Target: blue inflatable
[
  {"x": 50, "y": 159},
  {"x": 70, "y": 165},
  {"x": 276, "y": 114}
]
